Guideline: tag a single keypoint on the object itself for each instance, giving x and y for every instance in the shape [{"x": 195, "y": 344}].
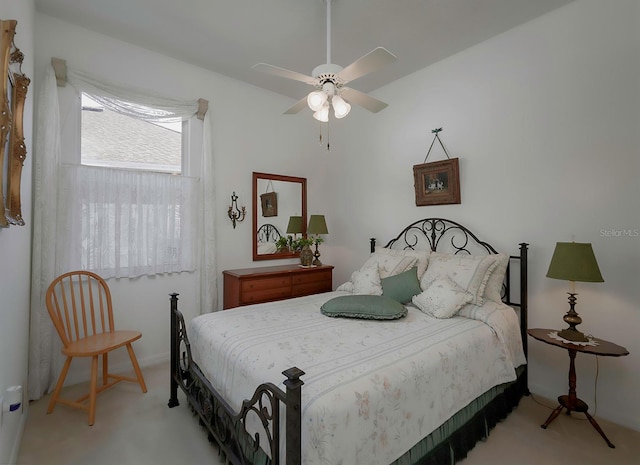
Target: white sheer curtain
[
  {"x": 129, "y": 223},
  {"x": 58, "y": 186}
]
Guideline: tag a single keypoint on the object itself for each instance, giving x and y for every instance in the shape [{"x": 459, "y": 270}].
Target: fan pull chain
[
  {"x": 320, "y": 137},
  {"x": 328, "y": 138}
]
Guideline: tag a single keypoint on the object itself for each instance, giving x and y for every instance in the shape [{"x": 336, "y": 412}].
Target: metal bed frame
[
  {"x": 226, "y": 427},
  {"x": 268, "y": 233}
]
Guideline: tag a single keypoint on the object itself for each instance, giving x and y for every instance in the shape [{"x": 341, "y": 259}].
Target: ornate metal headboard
[
  {"x": 439, "y": 234},
  {"x": 446, "y": 236},
  {"x": 268, "y": 233}
]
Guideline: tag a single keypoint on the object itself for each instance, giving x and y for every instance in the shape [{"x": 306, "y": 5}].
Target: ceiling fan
[{"x": 329, "y": 81}]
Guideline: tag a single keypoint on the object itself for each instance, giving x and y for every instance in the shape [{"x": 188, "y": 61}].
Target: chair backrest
[{"x": 79, "y": 304}]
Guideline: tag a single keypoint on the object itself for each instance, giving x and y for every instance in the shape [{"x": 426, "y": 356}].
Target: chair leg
[
  {"x": 59, "y": 384},
  {"x": 136, "y": 368},
  {"x": 105, "y": 368},
  {"x": 92, "y": 389}
]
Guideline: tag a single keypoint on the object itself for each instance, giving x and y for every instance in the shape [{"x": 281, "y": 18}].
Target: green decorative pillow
[
  {"x": 372, "y": 307},
  {"x": 402, "y": 287}
]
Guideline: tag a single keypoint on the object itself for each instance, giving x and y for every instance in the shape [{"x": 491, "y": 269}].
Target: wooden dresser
[{"x": 265, "y": 284}]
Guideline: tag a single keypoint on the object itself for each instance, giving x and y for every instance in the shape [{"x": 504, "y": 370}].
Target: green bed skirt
[
  {"x": 454, "y": 438},
  {"x": 459, "y": 434}
]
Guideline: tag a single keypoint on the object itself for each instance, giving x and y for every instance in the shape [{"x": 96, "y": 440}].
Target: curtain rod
[{"x": 60, "y": 69}]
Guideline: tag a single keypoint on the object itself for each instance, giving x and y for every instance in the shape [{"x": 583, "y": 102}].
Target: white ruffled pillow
[
  {"x": 366, "y": 280},
  {"x": 391, "y": 265},
  {"x": 421, "y": 256},
  {"x": 493, "y": 289},
  {"x": 345, "y": 287},
  {"x": 442, "y": 298},
  {"x": 386, "y": 263},
  {"x": 470, "y": 272}
]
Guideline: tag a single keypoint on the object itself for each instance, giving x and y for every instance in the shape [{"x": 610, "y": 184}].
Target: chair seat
[{"x": 100, "y": 343}]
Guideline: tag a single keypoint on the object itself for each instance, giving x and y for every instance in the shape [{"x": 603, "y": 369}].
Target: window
[
  {"x": 129, "y": 214},
  {"x": 114, "y": 140}
]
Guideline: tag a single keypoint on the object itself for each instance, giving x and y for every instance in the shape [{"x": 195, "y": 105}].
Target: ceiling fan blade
[
  {"x": 285, "y": 73},
  {"x": 365, "y": 101},
  {"x": 299, "y": 105},
  {"x": 372, "y": 61}
]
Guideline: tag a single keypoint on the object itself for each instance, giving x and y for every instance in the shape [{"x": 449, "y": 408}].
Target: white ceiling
[{"x": 230, "y": 36}]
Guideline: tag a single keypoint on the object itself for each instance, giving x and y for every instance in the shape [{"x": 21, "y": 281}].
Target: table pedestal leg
[
  {"x": 573, "y": 404},
  {"x": 552, "y": 417}
]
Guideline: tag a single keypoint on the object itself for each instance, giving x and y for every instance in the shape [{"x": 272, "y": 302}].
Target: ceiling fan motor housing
[{"x": 327, "y": 73}]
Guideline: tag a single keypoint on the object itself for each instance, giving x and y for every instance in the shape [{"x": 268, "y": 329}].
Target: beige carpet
[{"x": 139, "y": 429}]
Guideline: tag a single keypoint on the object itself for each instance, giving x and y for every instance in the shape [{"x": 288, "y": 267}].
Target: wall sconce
[{"x": 235, "y": 214}]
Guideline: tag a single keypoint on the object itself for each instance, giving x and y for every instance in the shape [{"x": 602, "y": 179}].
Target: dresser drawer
[
  {"x": 265, "y": 295},
  {"x": 258, "y": 284},
  {"x": 312, "y": 277},
  {"x": 311, "y": 288}
]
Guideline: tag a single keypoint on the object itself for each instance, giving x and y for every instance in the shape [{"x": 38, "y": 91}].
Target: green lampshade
[
  {"x": 317, "y": 225},
  {"x": 295, "y": 225},
  {"x": 574, "y": 261}
]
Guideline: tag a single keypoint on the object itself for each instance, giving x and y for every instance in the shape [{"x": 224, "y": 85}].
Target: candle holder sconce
[{"x": 236, "y": 215}]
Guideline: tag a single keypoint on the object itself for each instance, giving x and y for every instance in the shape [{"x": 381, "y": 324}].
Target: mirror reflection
[{"x": 279, "y": 210}]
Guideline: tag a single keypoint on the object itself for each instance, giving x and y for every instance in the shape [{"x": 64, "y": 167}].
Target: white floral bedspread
[{"x": 372, "y": 389}]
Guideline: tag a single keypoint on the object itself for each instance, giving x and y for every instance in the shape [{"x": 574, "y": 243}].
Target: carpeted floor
[{"x": 139, "y": 429}]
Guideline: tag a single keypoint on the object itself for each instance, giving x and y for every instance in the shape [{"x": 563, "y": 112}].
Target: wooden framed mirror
[{"x": 275, "y": 199}]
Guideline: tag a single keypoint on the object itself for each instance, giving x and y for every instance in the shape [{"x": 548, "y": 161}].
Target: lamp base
[
  {"x": 316, "y": 254},
  {"x": 572, "y": 319},
  {"x": 573, "y": 335}
]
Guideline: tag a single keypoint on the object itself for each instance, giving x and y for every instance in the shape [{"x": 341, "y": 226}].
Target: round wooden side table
[{"x": 571, "y": 401}]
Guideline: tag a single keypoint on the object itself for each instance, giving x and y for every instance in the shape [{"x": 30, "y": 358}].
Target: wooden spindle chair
[{"x": 79, "y": 304}]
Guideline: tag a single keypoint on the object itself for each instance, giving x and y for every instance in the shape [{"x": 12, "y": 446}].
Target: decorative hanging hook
[{"x": 436, "y": 131}]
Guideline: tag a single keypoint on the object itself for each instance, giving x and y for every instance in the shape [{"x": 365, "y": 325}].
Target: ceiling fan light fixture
[
  {"x": 340, "y": 107},
  {"x": 322, "y": 114},
  {"x": 316, "y": 100}
]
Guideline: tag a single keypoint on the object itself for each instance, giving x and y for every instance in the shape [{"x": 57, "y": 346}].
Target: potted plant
[
  {"x": 303, "y": 245},
  {"x": 282, "y": 244},
  {"x": 299, "y": 244}
]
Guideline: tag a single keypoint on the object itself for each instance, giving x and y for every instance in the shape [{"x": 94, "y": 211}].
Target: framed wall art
[
  {"x": 269, "y": 201},
  {"x": 437, "y": 183}
]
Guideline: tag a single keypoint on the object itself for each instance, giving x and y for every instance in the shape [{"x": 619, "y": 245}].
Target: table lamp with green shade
[
  {"x": 295, "y": 225},
  {"x": 317, "y": 225},
  {"x": 573, "y": 261}
]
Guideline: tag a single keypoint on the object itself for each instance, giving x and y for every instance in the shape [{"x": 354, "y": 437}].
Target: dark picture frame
[
  {"x": 269, "y": 202},
  {"x": 437, "y": 183}
]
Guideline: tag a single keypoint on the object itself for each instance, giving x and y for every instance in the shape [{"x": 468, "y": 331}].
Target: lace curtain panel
[
  {"x": 152, "y": 222},
  {"x": 129, "y": 223}
]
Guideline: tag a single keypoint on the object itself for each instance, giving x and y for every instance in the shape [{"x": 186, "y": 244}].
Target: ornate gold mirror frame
[
  {"x": 8, "y": 31},
  {"x": 12, "y": 99}
]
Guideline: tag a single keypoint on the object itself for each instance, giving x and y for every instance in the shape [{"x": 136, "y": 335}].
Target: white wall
[
  {"x": 15, "y": 253},
  {"x": 249, "y": 135},
  {"x": 545, "y": 121}
]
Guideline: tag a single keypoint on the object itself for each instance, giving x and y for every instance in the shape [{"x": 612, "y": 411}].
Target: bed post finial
[{"x": 294, "y": 415}]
